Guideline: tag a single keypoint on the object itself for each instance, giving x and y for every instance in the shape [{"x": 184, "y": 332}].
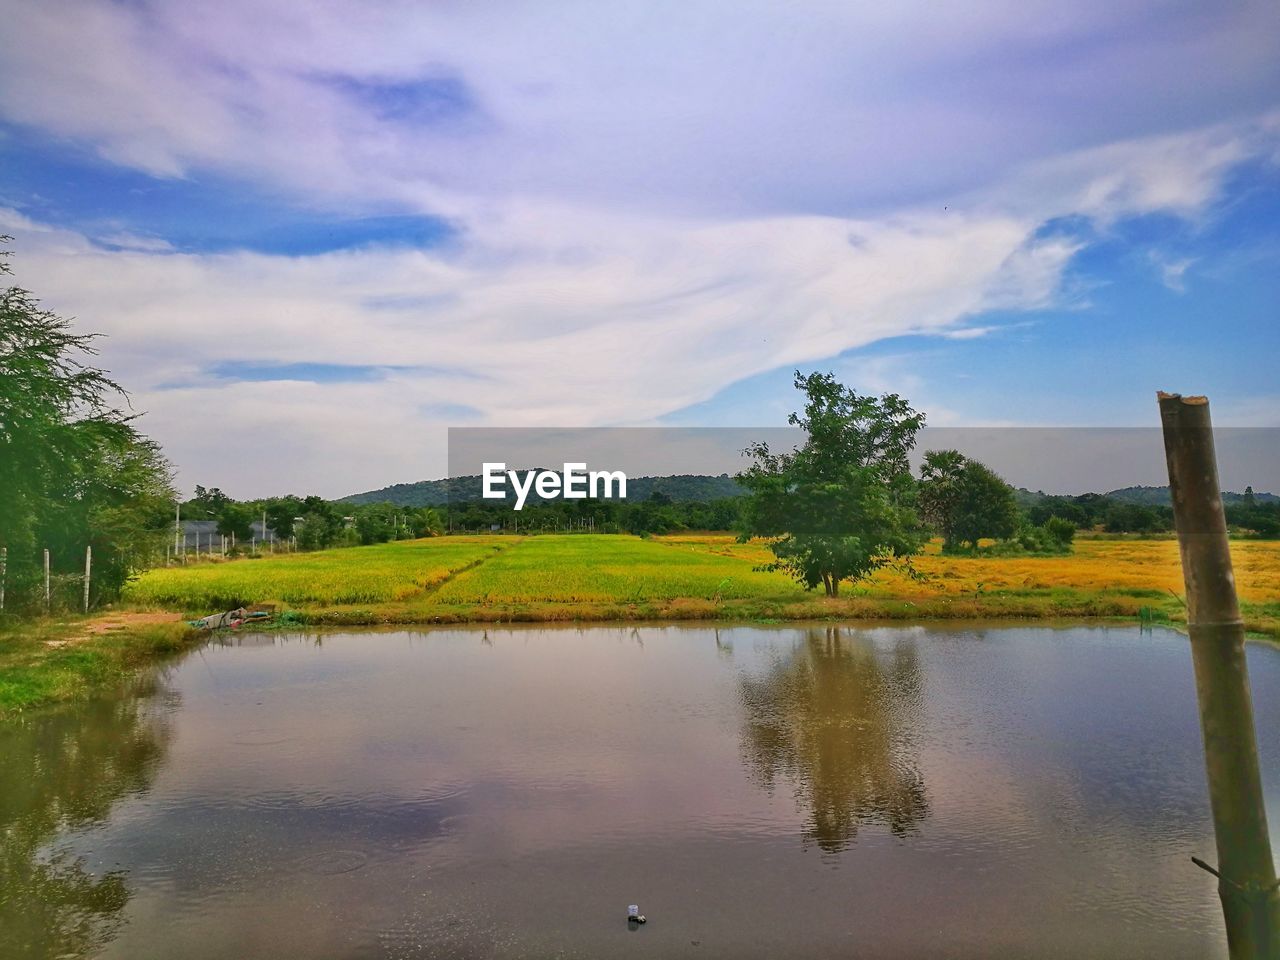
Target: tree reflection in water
[
  {"x": 836, "y": 719},
  {"x": 62, "y": 770}
]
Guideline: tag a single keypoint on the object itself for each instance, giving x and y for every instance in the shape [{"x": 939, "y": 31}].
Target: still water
[{"x": 757, "y": 791}]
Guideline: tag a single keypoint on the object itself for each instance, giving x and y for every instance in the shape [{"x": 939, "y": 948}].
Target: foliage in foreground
[{"x": 74, "y": 470}]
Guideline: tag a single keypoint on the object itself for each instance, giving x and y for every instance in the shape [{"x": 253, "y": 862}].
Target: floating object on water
[{"x": 634, "y": 915}]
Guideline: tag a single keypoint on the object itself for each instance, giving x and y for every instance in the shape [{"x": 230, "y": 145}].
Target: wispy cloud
[{"x": 1172, "y": 271}]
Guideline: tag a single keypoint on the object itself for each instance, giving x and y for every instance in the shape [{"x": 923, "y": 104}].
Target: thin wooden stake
[
  {"x": 88, "y": 571},
  {"x": 1247, "y": 876},
  {"x": 4, "y": 570},
  {"x": 46, "y": 580}
]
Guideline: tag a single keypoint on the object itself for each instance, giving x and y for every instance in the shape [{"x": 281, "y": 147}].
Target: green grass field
[
  {"x": 610, "y": 569},
  {"x": 384, "y": 573}
]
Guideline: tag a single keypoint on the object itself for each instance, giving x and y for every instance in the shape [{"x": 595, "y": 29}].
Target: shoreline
[{"x": 46, "y": 662}]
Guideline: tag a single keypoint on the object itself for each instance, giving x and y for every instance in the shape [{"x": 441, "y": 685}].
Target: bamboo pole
[{"x": 1246, "y": 873}]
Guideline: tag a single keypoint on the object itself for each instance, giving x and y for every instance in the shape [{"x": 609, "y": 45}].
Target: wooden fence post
[
  {"x": 88, "y": 570},
  {"x": 4, "y": 570},
  {"x": 1246, "y": 873},
  {"x": 46, "y": 581}
]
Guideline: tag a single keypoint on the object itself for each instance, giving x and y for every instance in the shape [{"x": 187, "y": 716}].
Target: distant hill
[
  {"x": 434, "y": 493},
  {"x": 1159, "y": 496},
  {"x": 699, "y": 488}
]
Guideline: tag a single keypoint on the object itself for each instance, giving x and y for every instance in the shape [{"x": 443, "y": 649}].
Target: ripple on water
[
  {"x": 300, "y": 800},
  {"x": 453, "y": 935},
  {"x": 259, "y": 738},
  {"x": 377, "y": 803},
  {"x": 437, "y": 793},
  {"x": 330, "y": 863}
]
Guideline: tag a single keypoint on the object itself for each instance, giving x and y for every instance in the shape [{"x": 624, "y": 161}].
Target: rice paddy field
[
  {"x": 602, "y": 577},
  {"x": 607, "y": 569},
  {"x": 384, "y": 573},
  {"x": 1136, "y": 567}
]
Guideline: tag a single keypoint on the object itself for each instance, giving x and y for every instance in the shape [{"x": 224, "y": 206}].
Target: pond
[{"x": 798, "y": 791}]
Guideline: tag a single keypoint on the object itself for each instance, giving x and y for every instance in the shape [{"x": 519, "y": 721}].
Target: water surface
[{"x": 758, "y": 791}]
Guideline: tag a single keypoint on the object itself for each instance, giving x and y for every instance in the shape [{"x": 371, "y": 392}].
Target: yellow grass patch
[{"x": 1095, "y": 565}]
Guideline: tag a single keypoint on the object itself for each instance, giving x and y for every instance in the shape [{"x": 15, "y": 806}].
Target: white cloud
[
  {"x": 741, "y": 108},
  {"x": 650, "y": 205},
  {"x": 125, "y": 240},
  {"x": 1172, "y": 271},
  {"x": 617, "y": 321}
]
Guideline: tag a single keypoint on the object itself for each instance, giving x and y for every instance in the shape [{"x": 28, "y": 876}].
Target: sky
[{"x": 316, "y": 235}]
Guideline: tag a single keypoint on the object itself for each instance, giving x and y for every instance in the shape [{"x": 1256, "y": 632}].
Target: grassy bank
[{"x": 49, "y": 661}]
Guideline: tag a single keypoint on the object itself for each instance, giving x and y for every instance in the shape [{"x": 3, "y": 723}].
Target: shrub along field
[{"x": 566, "y": 577}]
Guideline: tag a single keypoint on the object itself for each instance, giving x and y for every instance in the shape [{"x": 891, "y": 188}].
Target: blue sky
[
  {"x": 67, "y": 185},
  {"x": 335, "y": 230},
  {"x": 1151, "y": 303}
]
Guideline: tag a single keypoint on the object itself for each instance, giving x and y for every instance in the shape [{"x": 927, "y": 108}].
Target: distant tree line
[
  {"x": 312, "y": 523},
  {"x": 954, "y": 497},
  {"x": 1247, "y": 516}
]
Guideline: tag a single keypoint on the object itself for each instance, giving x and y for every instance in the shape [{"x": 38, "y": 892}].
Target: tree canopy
[{"x": 840, "y": 506}]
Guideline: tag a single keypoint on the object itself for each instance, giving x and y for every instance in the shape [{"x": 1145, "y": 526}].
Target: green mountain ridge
[
  {"x": 698, "y": 488},
  {"x": 703, "y": 488},
  {"x": 1159, "y": 496}
]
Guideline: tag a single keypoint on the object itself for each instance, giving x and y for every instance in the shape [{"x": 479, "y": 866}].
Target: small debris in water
[{"x": 634, "y": 915}]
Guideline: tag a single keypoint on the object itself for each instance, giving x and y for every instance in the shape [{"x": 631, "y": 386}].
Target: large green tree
[
  {"x": 840, "y": 506},
  {"x": 74, "y": 471},
  {"x": 965, "y": 501}
]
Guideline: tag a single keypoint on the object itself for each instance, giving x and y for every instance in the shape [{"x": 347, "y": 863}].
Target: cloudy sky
[{"x": 317, "y": 234}]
